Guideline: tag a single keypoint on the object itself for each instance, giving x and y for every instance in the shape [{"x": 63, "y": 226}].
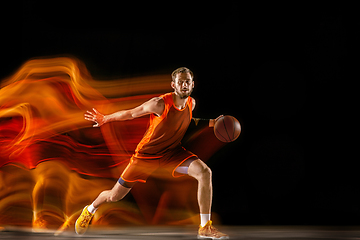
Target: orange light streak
[{"x": 53, "y": 163}]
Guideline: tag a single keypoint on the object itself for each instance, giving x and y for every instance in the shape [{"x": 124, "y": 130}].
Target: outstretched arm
[
  {"x": 211, "y": 121},
  {"x": 154, "y": 105}
]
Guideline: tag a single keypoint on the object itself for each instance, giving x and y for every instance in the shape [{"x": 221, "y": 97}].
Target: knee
[
  {"x": 204, "y": 174},
  {"x": 200, "y": 171}
]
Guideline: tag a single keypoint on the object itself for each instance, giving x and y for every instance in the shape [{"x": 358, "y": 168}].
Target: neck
[{"x": 179, "y": 102}]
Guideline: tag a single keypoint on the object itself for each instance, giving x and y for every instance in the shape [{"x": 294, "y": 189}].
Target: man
[{"x": 170, "y": 116}]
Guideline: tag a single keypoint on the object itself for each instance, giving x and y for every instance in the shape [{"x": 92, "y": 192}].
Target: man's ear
[{"x": 172, "y": 84}]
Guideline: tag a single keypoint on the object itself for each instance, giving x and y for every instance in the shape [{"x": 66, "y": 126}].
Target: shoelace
[{"x": 86, "y": 220}]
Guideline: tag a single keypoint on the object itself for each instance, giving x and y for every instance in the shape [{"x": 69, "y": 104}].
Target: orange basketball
[{"x": 227, "y": 128}]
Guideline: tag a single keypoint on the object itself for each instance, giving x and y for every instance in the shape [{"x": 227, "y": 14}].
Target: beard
[{"x": 183, "y": 95}]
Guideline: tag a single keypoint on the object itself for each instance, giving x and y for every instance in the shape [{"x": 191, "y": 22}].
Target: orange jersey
[{"x": 166, "y": 131}]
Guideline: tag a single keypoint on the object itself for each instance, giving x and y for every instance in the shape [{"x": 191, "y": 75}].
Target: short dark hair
[{"x": 181, "y": 70}]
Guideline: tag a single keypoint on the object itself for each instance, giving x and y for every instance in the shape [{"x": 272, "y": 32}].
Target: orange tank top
[{"x": 166, "y": 131}]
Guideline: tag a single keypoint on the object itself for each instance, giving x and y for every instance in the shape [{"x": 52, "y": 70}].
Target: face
[{"x": 183, "y": 85}]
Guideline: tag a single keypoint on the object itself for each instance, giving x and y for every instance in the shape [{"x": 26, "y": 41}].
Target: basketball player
[{"x": 170, "y": 116}]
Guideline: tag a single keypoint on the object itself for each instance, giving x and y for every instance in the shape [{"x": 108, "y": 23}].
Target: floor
[{"x": 189, "y": 232}]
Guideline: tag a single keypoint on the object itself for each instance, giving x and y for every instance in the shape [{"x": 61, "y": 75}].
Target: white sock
[
  {"x": 91, "y": 208},
  {"x": 204, "y": 219}
]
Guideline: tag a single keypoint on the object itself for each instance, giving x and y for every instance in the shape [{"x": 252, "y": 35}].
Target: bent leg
[
  {"x": 115, "y": 194},
  {"x": 202, "y": 173}
]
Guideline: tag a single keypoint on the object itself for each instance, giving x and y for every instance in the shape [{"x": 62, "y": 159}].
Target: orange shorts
[{"x": 141, "y": 165}]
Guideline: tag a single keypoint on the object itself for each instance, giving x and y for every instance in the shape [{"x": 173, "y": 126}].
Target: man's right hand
[{"x": 96, "y": 117}]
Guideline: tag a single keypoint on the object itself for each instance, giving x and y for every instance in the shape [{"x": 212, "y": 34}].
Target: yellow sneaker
[
  {"x": 209, "y": 231},
  {"x": 82, "y": 223}
]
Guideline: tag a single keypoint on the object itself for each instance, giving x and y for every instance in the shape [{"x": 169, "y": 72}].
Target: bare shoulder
[
  {"x": 156, "y": 105},
  {"x": 193, "y": 103},
  {"x": 157, "y": 101}
]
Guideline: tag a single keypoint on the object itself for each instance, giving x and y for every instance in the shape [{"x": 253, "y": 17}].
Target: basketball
[{"x": 227, "y": 128}]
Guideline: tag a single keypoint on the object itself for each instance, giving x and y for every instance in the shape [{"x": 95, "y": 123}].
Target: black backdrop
[{"x": 285, "y": 71}]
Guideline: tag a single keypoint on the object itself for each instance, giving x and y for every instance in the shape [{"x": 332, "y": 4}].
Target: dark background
[{"x": 287, "y": 72}]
